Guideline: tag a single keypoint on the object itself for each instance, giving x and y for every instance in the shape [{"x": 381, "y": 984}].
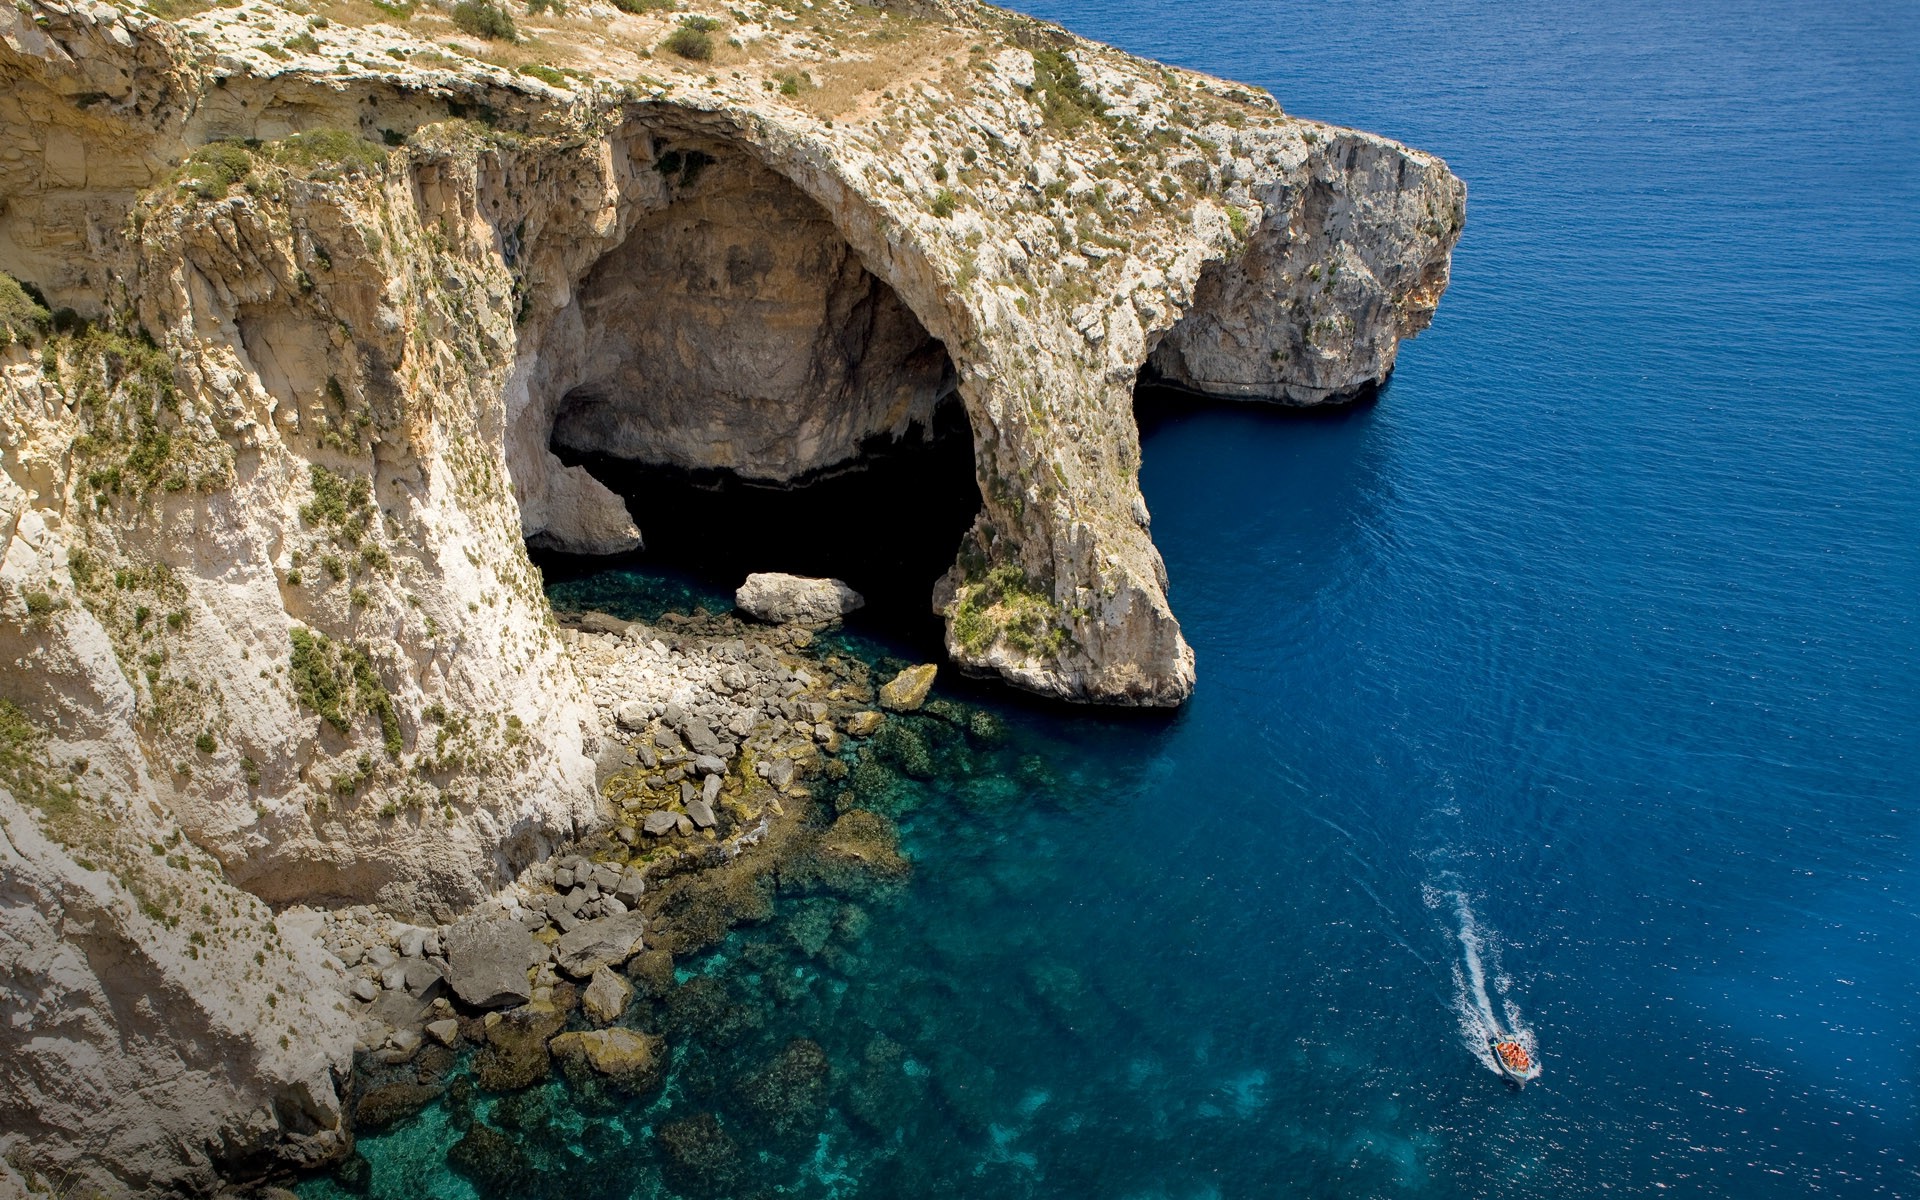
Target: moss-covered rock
[
  {"x": 651, "y": 972},
  {"x": 390, "y": 1103},
  {"x": 881, "y": 1090},
  {"x": 789, "y": 1094},
  {"x": 630, "y": 1060},
  {"x": 705, "y": 1010},
  {"x": 699, "y": 1157},
  {"x": 515, "y": 1055},
  {"x": 497, "y": 1164},
  {"x": 903, "y": 746},
  {"x": 908, "y": 690},
  {"x": 858, "y": 855}
]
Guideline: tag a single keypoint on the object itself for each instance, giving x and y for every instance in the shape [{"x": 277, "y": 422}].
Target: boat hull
[{"x": 1518, "y": 1077}]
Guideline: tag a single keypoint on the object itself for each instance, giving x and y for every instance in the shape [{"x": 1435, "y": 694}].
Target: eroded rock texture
[
  {"x": 734, "y": 328},
  {"x": 339, "y": 289}
]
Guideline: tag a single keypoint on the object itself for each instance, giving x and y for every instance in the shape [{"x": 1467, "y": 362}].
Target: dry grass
[
  {"x": 857, "y": 86},
  {"x": 358, "y": 14}
]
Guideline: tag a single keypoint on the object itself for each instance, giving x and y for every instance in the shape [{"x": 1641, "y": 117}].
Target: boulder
[
  {"x": 599, "y": 622},
  {"x": 606, "y": 996},
  {"x": 629, "y": 1058},
  {"x": 779, "y": 772},
  {"x": 422, "y": 977},
  {"x": 406, "y": 1041},
  {"x": 710, "y": 764},
  {"x": 863, "y": 724},
  {"x": 660, "y": 824},
  {"x": 391, "y": 1103},
  {"x": 488, "y": 960},
  {"x": 632, "y": 716},
  {"x": 701, "y": 813},
  {"x": 446, "y": 1031},
  {"x": 908, "y": 690},
  {"x": 709, "y": 790},
  {"x": 796, "y": 599},
  {"x": 632, "y": 886},
  {"x": 515, "y": 1055},
  {"x": 605, "y": 942}
]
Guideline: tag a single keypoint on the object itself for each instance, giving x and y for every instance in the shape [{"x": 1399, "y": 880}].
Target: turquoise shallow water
[{"x": 1573, "y": 682}]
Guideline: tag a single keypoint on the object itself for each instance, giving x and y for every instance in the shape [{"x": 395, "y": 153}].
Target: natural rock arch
[{"x": 732, "y": 327}]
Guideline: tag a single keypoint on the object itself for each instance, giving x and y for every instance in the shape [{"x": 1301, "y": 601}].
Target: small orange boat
[{"x": 1513, "y": 1059}]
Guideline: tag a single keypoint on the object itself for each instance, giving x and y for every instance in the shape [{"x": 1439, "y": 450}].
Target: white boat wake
[{"x": 1474, "y": 994}]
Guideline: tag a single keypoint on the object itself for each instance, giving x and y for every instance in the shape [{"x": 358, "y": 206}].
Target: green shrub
[
  {"x": 22, "y": 317},
  {"x": 691, "y": 40},
  {"x": 132, "y": 438},
  {"x": 305, "y": 43},
  {"x": 1065, "y": 100},
  {"x": 338, "y": 682},
  {"x": 644, "y": 6},
  {"x": 23, "y": 767},
  {"x": 205, "y": 743},
  {"x": 485, "y": 19},
  {"x": 943, "y": 203},
  {"x": 328, "y": 148},
  {"x": 1007, "y": 605},
  {"x": 340, "y": 503},
  {"x": 544, "y": 74},
  {"x": 211, "y": 171}
]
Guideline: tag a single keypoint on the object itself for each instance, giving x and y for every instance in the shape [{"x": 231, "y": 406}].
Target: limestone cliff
[{"x": 334, "y": 279}]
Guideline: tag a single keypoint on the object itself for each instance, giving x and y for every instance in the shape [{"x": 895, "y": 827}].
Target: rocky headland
[{"x": 297, "y": 302}]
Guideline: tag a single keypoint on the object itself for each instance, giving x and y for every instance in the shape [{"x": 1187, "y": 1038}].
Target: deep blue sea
[{"x": 1572, "y": 685}]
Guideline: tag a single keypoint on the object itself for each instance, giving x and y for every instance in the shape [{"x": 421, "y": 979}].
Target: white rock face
[
  {"x": 264, "y": 589},
  {"x": 1329, "y": 251},
  {"x": 795, "y": 599},
  {"x": 144, "y": 1047}
]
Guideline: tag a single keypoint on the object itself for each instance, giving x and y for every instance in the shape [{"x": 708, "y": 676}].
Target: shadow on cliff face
[
  {"x": 758, "y": 398},
  {"x": 887, "y": 523}
]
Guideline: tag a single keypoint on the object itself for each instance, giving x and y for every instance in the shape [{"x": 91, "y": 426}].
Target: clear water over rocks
[{"x": 1570, "y": 687}]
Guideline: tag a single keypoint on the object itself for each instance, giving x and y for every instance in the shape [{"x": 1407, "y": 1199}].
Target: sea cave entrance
[
  {"x": 759, "y": 399},
  {"x": 888, "y": 524}
]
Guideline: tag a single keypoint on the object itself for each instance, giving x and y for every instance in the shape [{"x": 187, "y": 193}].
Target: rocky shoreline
[
  {"x": 295, "y": 307},
  {"x": 727, "y": 750}
]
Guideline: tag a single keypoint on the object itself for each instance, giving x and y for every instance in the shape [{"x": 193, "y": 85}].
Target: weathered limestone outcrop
[
  {"x": 783, "y": 599},
  {"x": 337, "y": 290},
  {"x": 160, "y": 1031}
]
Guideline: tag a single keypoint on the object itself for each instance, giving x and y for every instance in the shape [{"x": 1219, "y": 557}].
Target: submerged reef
[{"x": 744, "y": 1034}]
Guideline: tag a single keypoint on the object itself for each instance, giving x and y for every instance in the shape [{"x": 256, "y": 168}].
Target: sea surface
[{"x": 1572, "y": 686}]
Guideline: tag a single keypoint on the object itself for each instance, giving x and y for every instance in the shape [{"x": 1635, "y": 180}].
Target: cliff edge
[{"x": 298, "y": 301}]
